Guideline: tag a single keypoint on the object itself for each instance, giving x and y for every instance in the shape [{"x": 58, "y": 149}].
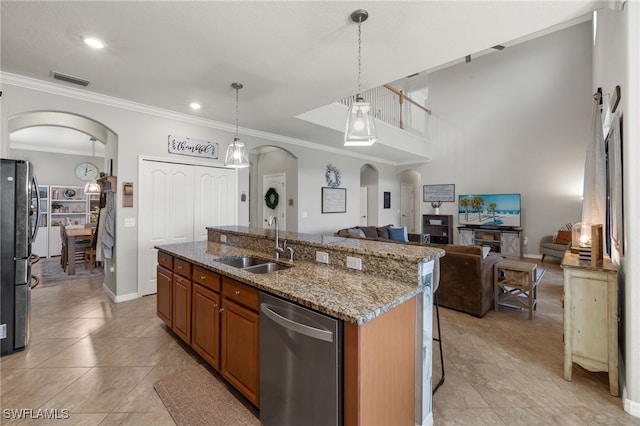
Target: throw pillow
[
  {"x": 356, "y": 233},
  {"x": 383, "y": 232},
  {"x": 398, "y": 234},
  {"x": 369, "y": 231},
  {"x": 564, "y": 237}
]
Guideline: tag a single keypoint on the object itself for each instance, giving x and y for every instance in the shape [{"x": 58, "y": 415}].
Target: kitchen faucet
[{"x": 277, "y": 250}]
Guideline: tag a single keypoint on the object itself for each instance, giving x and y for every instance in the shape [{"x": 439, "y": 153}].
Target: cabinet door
[
  {"x": 182, "y": 307},
  {"x": 205, "y": 326},
  {"x": 164, "y": 299},
  {"x": 465, "y": 237},
  {"x": 510, "y": 244},
  {"x": 239, "y": 343}
]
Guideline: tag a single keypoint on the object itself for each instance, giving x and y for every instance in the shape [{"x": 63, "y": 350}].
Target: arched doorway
[
  {"x": 273, "y": 167},
  {"x": 410, "y": 200},
  {"x": 93, "y": 132},
  {"x": 368, "y": 195}
]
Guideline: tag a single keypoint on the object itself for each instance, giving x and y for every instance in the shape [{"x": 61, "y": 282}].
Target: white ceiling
[{"x": 291, "y": 56}]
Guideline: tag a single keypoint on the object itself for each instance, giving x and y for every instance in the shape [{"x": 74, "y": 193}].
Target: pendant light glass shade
[
  {"x": 236, "y": 157},
  {"x": 92, "y": 188},
  {"x": 361, "y": 128}
]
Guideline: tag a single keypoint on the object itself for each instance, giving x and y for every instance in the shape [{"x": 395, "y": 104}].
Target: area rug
[
  {"x": 50, "y": 273},
  {"x": 198, "y": 397}
]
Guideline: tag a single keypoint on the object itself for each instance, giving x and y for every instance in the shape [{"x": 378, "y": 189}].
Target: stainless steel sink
[
  {"x": 266, "y": 268},
  {"x": 256, "y": 265},
  {"x": 243, "y": 261}
]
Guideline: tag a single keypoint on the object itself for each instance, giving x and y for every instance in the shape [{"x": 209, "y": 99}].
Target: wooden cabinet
[
  {"x": 164, "y": 298},
  {"x": 239, "y": 338},
  {"x": 437, "y": 228},
  {"x": 591, "y": 317},
  {"x": 205, "y": 317},
  {"x": 506, "y": 242},
  {"x": 205, "y": 326},
  {"x": 182, "y": 307},
  {"x": 217, "y": 316}
]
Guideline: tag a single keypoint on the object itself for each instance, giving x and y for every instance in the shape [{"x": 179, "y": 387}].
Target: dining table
[{"x": 73, "y": 235}]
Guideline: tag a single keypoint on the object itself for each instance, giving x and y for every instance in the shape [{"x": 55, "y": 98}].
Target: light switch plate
[
  {"x": 129, "y": 222},
  {"x": 223, "y": 238}
]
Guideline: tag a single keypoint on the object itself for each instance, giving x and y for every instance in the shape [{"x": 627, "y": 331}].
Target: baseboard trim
[
  {"x": 117, "y": 299},
  {"x": 632, "y": 407}
]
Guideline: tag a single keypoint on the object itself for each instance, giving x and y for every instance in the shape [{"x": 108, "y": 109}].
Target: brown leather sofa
[{"x": 466, "y": 278}]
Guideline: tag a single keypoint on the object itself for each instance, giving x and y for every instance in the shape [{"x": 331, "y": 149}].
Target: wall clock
[{"x": 86, "y": 171}]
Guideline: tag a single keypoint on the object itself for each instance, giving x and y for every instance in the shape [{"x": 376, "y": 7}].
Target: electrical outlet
[
  {"x": 223, "y": 238},
  {"x": 322, "y": 257},
  {"x": 354, "y": 263}
]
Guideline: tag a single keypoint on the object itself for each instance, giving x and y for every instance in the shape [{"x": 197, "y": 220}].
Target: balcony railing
[{"x": 388, "y": 105}]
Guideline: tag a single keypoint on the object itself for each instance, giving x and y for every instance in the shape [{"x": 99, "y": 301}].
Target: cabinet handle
[
  {"x": 236, "y": 292},
  {"x": 215, "y": 305},
  {"x": 202, "y": 277},
  {"x": 179, "y": 267},
  {"x": 221, "y": 309}
]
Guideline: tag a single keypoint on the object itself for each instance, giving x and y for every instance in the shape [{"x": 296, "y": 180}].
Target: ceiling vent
[{"x": 69, "y": 79}]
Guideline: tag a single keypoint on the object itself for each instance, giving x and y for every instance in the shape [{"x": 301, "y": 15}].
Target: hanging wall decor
[
  {"x": 192, "y": 147},
  {"x": 333, "y": 176},
  {"x": 271, "y": 198}
]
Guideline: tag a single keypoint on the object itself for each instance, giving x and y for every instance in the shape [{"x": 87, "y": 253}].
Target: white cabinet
[
  {"x": 591, "y": 317},
  {"x": 61, "y": 205}
]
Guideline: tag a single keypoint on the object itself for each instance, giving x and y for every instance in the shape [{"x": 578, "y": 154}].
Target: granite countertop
[{"x": 351, "y": 296}]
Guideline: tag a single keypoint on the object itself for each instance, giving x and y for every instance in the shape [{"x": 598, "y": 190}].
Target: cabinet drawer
[
  {"x": 207, "y": 278},
  {"x": 241, "y": 293},
  {"x": 181, "y": 267},
  {"x": 165, "y": 260}
]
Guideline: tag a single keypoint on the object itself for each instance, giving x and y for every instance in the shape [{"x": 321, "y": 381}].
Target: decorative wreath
[
  {"x": 333, "y": 176},
  {"x": 271, "y": 198}
]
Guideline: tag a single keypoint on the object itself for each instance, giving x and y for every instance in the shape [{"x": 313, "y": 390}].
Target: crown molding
[{"x": 83, "y": 95}]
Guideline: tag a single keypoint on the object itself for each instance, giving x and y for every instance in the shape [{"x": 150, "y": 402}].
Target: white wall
[
  {"x": 616, "y": 55},
  {"x": 516, "y": 121},
  {"x": 144, "y": 131},
  {"x": 55, "y": 169}
]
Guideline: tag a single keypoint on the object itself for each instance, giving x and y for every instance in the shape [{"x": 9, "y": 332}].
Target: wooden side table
[
  {"x": 591, "y": 317},
  {"x": 516, "y": 284}
]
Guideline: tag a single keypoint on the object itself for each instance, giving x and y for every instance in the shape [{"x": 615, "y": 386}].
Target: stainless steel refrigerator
[{"x": 19, "y": 204}]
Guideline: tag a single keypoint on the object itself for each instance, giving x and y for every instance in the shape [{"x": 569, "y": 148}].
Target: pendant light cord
[
  {"x": 359, "y": 54},
  {"x": 237, "y": 114}
]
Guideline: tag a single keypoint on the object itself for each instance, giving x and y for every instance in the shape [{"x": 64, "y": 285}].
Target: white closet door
[
  {"x": 215, "y": 199},
  {"x": 165, "y": 214}
]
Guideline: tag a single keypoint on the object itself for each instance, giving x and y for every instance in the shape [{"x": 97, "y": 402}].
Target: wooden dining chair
[{"x": 89, "y": 252}]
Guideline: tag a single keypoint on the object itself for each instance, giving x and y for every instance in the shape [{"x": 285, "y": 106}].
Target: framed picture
[
  {"x": 334, "y": 200},
  {"x": 435, "y": 193},
  {"x": 387, "y": 200}
]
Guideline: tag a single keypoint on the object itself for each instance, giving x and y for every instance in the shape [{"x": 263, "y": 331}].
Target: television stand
[{"x": 505, "y": 241}]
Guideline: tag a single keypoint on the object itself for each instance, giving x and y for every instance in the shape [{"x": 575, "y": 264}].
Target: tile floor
[{"x": 99, "y": 360}]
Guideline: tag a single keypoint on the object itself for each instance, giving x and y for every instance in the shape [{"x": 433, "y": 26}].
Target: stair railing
[{"x": 387, "y": 104}]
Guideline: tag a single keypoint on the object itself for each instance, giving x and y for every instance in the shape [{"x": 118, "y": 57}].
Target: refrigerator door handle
[{"x": 36, "y": 188}]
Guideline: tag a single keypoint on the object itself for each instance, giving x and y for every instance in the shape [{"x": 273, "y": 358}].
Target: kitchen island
[{"x": 386, "y": 308}]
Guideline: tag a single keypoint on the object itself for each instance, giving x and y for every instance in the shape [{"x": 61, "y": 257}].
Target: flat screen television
[{"x": 499, "y": 210}]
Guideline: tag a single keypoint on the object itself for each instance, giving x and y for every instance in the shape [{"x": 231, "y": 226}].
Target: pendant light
[
  {"x": 361, "y": 129},
  {"x": 92, "y": 187},
  {"x": 236, "y": 157}
]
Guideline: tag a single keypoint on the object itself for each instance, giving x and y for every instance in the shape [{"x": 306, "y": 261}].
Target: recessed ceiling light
[
  {"x": 94, "y": 42},
  {"x": 194, "y": 105}
]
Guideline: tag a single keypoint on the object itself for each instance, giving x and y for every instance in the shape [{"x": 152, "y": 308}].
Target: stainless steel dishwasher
[{"x": 300, "y": 365}]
